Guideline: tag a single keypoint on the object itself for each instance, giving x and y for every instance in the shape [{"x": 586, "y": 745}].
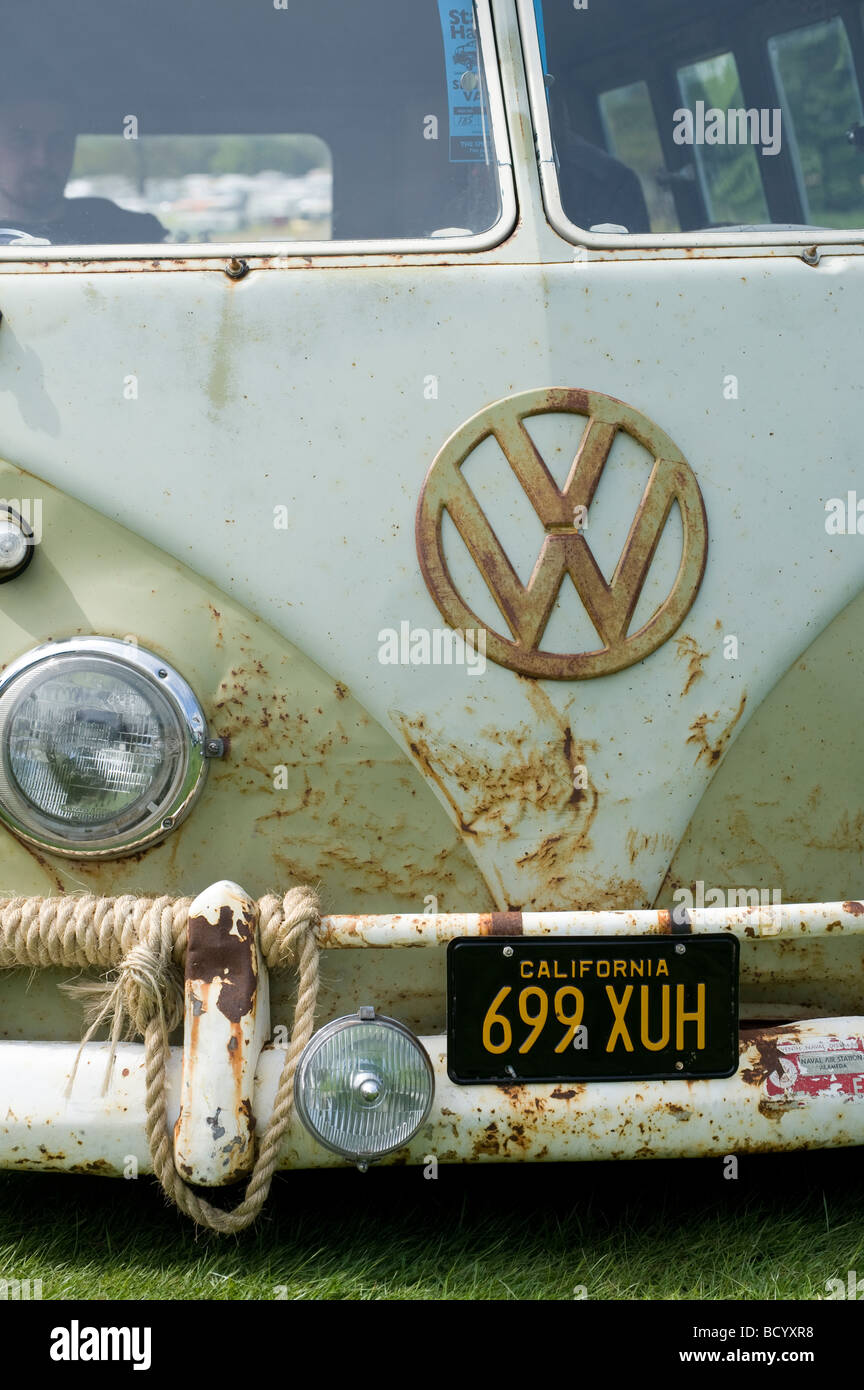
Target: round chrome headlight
[
  {"x": 102, "y": 747},
  {"x": 364, "y": 1086}
]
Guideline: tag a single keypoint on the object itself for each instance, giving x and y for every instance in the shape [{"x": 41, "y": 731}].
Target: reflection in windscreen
[
  {"x": 219, "y": 120},
  {"x": 213, "y": 187},
  {"x": 680, "y": 115}
]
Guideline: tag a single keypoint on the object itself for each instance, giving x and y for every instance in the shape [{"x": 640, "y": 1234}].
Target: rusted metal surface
[
  {"x": 314, "y": 256},
  {"x": 812, "y": 967},
  {"x": 226, "y": 1024},
  {"x": 712, "y": 744},
  {"x": 500, "y": 924},
  {"x": 571, "y": 1121},
  {"x": 782, "y": 922},
  {"x": 563, "y": 513},
  {"x": 323, "y": 791},
  {"x": 468, "y": 1124},
  {"x": 509, "y": 250},
  {"x": 796, "y": 961},
  {"x": 512, "y": 794},
  {"x": 535, "y": 846}
]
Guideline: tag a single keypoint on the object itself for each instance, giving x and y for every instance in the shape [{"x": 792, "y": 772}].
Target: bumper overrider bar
[{"x": 220, "y": 1108}]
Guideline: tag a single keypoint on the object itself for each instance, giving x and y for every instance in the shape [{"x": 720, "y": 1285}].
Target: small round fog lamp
[{"x": 364, "y": 1086}]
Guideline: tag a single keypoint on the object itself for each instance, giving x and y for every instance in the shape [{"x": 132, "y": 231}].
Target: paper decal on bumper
[{"x": 820, "y": 1067}]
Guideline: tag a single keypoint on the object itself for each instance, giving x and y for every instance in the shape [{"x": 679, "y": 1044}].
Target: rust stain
[
  {"x": 766, "y": 1042},
  {"x": 517, "y": 1137},
  {"x": 388, "y": 875},
  {"x": 847, "y": 834},
  {"x": 545, "y": 856},
  {"x": 856, "y": 909},
  {"x": 638, "y": 842},
  {"x": 611, "y": 892},
  {"x": 515, "y": 1091},
  {"x": 771, "y": 1109},
  {"x": 217, "y": 618},
  {"x": 488, "y": 1142},
  {"x": 224, "y": 951},
  {"x": 500, "y": 924},
  {"x": 236, "y": 1054},
  {"x": 49, "y": 870},
  {"x": 493, "y": 787},
  {"x": 221, "y": 265},
  {"x": 688, "y": 650},
  {"x": 712, "y": 751},
  {"x": 358, "y": 815}
]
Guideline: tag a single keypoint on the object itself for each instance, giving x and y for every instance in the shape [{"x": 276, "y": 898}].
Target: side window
[
  {"x": 632, "y": 136},
  {"x": 234, "y": 121},
  {"x": 688, "y": 116},
  {"x": 815, "y": 77},
  {"x": 728, "y": 172}
]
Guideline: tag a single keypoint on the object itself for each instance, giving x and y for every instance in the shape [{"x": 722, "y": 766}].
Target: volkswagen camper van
[{"x": 432, "y": 569}]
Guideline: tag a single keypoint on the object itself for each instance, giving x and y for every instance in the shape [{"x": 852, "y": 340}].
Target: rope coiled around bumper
[{"x": 144, "y": 941}]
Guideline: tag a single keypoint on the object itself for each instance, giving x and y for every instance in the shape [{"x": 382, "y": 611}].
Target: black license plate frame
[{"x": 479, "y": 967}]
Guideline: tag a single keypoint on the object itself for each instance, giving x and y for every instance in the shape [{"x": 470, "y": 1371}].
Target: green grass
[{"x": 624, "y": 1231}]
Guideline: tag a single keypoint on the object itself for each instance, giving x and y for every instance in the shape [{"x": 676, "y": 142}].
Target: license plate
[{"x": 592, "y": 1008}]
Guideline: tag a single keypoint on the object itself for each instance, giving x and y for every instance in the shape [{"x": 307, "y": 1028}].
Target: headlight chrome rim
[
  {"x": 13, "y": 519},
  {"x": 144, "y": 670},
  {"x": 363, "y": 1018}
]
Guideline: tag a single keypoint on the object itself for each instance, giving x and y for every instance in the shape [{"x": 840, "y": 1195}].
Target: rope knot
[
  {"x": 145, "y": 997},
  {"x": 147, "y": 986},
  {"x": 288, "y": 925}
]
